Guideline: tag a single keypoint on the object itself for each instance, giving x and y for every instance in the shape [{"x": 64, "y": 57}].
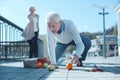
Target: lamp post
[{"x": 103, "y": 14}]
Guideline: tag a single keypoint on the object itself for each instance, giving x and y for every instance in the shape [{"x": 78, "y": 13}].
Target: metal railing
[{"x": 12, "y": 45}]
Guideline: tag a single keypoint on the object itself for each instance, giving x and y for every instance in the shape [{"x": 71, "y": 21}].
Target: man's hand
[{"x": 75, "y": 59}]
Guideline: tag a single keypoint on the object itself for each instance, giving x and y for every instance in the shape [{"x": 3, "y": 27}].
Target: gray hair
[
  {"x": 53, "y": 16},
  {"x": 31, "y": 7}
]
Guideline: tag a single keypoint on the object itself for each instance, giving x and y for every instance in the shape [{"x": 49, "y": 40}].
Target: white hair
[
  {"x": 53, "y": 16},
  {"x": 31, "y": 7}
]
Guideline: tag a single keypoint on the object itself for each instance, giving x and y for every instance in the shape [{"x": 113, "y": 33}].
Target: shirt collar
[{"x": 62, "y": 27}]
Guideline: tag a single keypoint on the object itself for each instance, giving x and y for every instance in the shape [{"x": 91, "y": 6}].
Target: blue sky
[{"x": 81, "y": 12}]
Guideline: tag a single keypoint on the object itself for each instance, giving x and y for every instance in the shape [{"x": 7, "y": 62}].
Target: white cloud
[
  {"x": 85, "y": 26},
  {"x": 3, "y": 10}
]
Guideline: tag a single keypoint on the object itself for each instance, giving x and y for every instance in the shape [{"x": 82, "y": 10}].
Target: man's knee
[
  {"x": 86, "y": 41},
  {"x": 89, "y": 44}
]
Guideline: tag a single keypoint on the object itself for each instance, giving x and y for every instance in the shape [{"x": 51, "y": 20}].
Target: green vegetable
[
  {"x": 45, "y": 65},
  {"x": 51, "y": 67}
]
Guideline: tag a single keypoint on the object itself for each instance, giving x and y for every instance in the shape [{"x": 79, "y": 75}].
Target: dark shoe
[
  {"x": 81, "y": 64},
  {"x": 56, "y": 66}
]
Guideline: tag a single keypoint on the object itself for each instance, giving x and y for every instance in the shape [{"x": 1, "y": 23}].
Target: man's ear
[
  {"x": 48, "y": 25},
  {"x": 60, "y": 22}
]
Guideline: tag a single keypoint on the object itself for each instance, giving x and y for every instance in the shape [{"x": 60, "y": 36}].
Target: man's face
[
  {"x": 32, "y": 10},
  {"x": 53, "y": 26}
]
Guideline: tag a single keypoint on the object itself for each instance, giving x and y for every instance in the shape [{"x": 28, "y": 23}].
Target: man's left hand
[{"x": 75, "y": 59}]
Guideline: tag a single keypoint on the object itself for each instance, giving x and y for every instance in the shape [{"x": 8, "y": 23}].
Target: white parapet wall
[
  {"x": 117, "y": 10},
  {"x": 119, "y": 46}
]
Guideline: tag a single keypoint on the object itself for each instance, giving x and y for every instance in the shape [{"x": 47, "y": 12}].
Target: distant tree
[
  {"x": 70, "y": 49},
  {"x": 89, "y": 35},
  {"x": 113, "y": 30}
]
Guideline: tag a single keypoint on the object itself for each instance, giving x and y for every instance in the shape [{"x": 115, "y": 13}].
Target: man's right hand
[{"x": 74, "y": 59}]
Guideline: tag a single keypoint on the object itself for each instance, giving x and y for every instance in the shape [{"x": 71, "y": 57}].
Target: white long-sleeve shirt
[
  {"x": 35, "y": 21},
  {"x": 70, "y": 33}
]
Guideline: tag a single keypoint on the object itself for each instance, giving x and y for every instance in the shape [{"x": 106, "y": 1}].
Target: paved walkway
[{"x": 110, "y": 66}]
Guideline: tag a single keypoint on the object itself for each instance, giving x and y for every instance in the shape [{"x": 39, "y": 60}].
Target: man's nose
[{"x": 52, "y": 29}]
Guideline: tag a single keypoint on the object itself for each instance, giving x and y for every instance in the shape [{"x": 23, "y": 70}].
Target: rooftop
[{"x": 14, "y": 70}]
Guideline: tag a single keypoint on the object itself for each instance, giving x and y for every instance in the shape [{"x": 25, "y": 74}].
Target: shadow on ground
[
  {"x": 108, "y": 67},
  {"x": 20, "y": 73}
]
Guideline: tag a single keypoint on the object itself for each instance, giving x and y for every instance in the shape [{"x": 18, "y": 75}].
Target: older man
[{"x": 65, "y": 33}]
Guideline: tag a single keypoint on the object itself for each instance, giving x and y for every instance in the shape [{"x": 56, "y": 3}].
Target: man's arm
[
  {"x": 51, "y": 47},
  {"x": 77, "y": 39}
]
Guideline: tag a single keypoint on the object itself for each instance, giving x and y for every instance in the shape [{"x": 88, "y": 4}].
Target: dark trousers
[
  {"x": 60, "y": 48},
  {"x": 33, "y": 43}
]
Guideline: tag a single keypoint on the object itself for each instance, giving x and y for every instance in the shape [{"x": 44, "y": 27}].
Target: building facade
[
  {"x": 110, "y": 46},
  {"x": 117, "y": 10}
]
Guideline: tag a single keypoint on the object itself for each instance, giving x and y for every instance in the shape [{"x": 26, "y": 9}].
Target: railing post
[
  {"x": 115, "y": 51},
  {"x": 11, "y": 42},
  {"x": 6, "y": 51}
]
